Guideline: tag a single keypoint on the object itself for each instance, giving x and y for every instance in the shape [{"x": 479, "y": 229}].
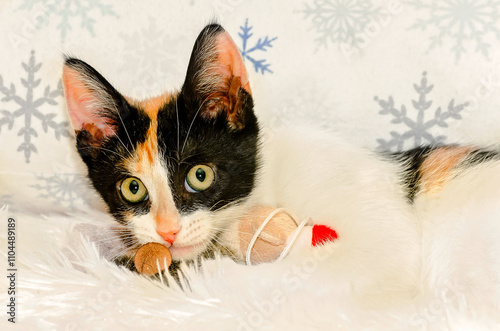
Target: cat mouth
[{"x": 187, "y": 252}]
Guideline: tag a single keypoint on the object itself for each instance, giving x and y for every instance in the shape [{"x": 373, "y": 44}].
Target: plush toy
[
  {"x": 265, "y": 234},
  {"x": 151, "y": 258}
]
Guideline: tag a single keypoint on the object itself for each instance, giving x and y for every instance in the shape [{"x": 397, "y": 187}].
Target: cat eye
[
  {"x": 199, "y": 178},
  {"x": 133, "y": 190}
]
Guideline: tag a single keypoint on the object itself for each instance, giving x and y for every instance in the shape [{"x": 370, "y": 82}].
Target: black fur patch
[
  {"x": 412, "y": 161},
  {"x": 481, "y": 156},
  {"x": 198, "y": 140},
  {"x": 211, "y": 140}
]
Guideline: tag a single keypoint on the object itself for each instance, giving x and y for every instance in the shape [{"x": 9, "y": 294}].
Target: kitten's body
[
  {"x": 393, "y": 237},
  {"x": 357, "y": 193},
  {"x": 392, "y": 213}
]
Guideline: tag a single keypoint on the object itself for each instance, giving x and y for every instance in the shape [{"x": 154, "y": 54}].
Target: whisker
[
  {"x": 213, "y": 207},
  {"x": 229, "y": 204},
  {"x": 121, "y": 120},
  {"x": 127, "y": 241},
  {"x": 168, "y": 157},
  {"x": 178, "y": 127},
  {"x": 191, "y": 125},
  {"x": 226, "y": 248},
  {"x": 130, "y": 259},
  {"x": 117, "y": 253},
  {"x": 183, "y": 160},
  {"x": 112, "y": 239},
  {"x": 222, "y": 230},
  {"x": 105, "y": 149},
  {"x": 120, "y": 253},
  {"x": 126, "y": 131}
]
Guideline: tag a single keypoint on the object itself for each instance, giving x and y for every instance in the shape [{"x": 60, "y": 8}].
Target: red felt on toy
[{"x": 321, "y": 234}]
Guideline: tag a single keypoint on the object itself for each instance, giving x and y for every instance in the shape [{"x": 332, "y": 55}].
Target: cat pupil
[
  {"x": 133, "y": 187},
  {"x": 201, "y": 175}
]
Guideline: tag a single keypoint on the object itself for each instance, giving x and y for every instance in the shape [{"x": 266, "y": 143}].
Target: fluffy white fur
[{"x": 432, "y": 267}]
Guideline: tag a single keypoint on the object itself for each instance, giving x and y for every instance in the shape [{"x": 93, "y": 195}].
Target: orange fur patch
[
  {"x": 148, "y": 150},
  {"x": 152, "y": 105},
  {"x": 165, "y": 214},
  {"x": 438, "y": 167}
]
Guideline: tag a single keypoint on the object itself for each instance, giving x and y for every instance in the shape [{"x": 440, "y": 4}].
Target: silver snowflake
[
  {"x": 340, "y": 22},
  {"x": 6, "y": 200},
  {"x": 418, "y": 129},
  {"x": 68, "y": 12},
  {"x": 62, "y": 189},
  {"x": 304, "y": 104},
  {"x": 29, "y": 108},
  {"x": 150, "y": 49},
  {"x": 463, "y": 22}
]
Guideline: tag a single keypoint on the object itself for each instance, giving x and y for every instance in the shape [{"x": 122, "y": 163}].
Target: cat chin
[{"x": 186, "y": 252}]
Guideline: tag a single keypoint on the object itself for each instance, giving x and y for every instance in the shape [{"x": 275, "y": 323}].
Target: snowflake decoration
[
  {"x": 5, "y": 200},
  {"x": 340, "y": 21},
  {"x": 296, "y": 108},
  {"x": 153, "y": 57},
  {"x": 69, "y": 11},
  {"x": 148, "y": 52},
  {"x": 419, "y": 128},
  {"x": 261, "y": 45},
  {"x": 29, "y": 108},
  {"x": 63, "y": 189},
  {"x": 462, "y": 21}
]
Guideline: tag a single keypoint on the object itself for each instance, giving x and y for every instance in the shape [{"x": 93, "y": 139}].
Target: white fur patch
[{"x": 155, "y": 178}]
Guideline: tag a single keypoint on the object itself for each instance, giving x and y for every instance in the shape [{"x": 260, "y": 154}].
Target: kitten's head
[{"x": 170, "y": 168}]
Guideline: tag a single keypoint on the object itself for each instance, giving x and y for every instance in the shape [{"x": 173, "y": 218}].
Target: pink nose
[{"x": 168, "y": 236}]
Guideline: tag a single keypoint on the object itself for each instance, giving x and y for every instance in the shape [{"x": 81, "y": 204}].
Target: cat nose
[
  {"x": 168, "y": 236},
  {"x": 167, "y": 226}
]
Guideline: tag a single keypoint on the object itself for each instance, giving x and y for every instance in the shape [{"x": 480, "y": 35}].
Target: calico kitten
[
  {"x": 179, "y": 169},
  {"x": 168, "y": 167}
]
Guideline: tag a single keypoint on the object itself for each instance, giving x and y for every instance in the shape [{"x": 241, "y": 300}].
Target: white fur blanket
[
  {"x": 65, "y": 283},
  {"x": 387, "y": 74}
]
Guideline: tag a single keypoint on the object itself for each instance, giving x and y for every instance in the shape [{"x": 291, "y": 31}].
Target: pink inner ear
[
  {"x": 230, "y": 57},
  {"x": 83, "y": 104}
]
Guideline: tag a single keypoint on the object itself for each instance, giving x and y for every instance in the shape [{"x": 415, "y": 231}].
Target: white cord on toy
[{"x": 293, "y": 238}]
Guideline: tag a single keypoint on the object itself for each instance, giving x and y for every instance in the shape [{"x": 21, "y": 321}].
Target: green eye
[
  {"x": 133, "y": 190},
  {"x": 199, "y": 178}
]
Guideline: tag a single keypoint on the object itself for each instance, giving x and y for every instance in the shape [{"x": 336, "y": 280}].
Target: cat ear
[
  {"x": 217, "y": 79},
  {"x": 92, "y": 102}
]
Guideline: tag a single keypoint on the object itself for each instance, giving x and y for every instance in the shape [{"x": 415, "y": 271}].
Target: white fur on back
[{"x": 359, "y": 196}]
